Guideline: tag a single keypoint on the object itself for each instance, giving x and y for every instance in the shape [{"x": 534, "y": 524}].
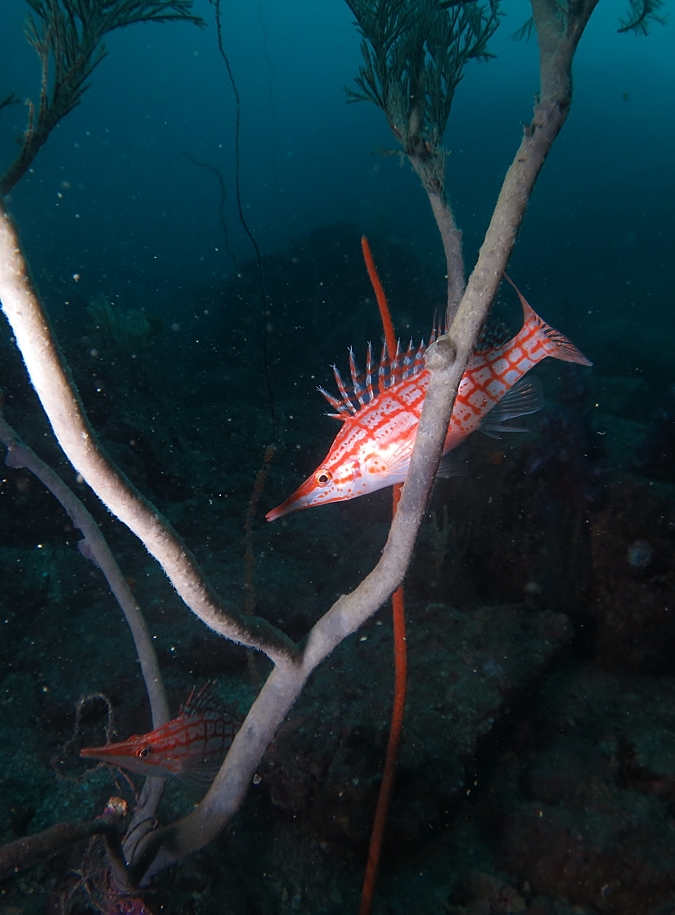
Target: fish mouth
[
  {"x": 303, "y": 497},
  {"x": 284, "y": 509},
  {"x": 92, "y": 752},
  {"x": 290, "y": 505},
  {"x": 109, "y": 753}
]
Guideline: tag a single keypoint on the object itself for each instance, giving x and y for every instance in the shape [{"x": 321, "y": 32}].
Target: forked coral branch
[{"x": 446, "y": 361}]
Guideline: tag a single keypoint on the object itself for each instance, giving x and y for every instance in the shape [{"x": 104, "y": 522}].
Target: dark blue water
[
  {"x": 306, "y": 157},
  {"x": 537, "y": 763}
]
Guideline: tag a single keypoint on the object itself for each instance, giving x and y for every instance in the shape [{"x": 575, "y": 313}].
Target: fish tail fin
[
  {"x": 553, "y": 342},
  {"x": 556, "y": 344}
]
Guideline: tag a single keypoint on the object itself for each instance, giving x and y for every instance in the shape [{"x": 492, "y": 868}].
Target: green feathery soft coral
[
  {"x": 641, "y": 14},
  {"x": 414, "y": 56}
]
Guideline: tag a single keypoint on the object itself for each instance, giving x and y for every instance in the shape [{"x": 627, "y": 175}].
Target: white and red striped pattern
[
  {"x": 191, "y": 746},
  {"x": 373, "y": 448}
]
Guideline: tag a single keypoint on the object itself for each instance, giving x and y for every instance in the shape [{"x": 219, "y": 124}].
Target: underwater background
[{"x": 537, "y": 771}]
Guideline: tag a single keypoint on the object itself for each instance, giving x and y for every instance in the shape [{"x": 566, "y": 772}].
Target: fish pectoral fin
[
  {"x": 524, "y": 398},
  {"x": 200, "y": 775},
  {"x": 399, "y": 470},
  {"x": 392, "y": 464}
]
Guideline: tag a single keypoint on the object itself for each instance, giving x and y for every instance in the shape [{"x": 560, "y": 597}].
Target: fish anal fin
[
  {"x": 524, "y": 398},
  {"x": 493, "y": 430},
  {"x": 200, "y": 775},
  {"x": 450, "y": 466}
]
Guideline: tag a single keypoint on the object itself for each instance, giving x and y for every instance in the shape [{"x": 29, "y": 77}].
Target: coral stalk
[
  {"x": 51, "y": 379},
  {"x": 17, "y": 856},
  {"x": 446, "y": 361},
  {"x": 95, "y": 548}
]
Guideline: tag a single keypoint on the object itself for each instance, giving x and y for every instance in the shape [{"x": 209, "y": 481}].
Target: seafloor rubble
[{"x": 537, "y": 772}]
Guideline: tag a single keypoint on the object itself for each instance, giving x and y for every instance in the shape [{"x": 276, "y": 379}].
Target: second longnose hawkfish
[
  {"x": 381, "y": 410},
  {"x": 191, "y": 746}
]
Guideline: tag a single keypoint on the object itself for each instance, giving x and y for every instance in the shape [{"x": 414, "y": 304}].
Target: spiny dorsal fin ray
[
  {"x": 200, "y": 701},
  {"x": 343, "y": 390},
  {"x": 493, "y": 334},
  {"x": 343, "y": 410},
  {"x": 369, "y": 373},
  {"x": 389, "y": 373},
  {"x": 357, "y": 379}
]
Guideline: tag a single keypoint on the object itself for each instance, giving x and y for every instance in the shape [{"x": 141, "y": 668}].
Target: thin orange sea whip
[{"x": 400, "y": 650}]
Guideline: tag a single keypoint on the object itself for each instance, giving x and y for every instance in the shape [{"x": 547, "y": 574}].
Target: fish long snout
[{"x": 301, "y": 498}]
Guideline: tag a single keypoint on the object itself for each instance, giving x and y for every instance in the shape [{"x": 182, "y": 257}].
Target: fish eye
[
  {"x": 324, "y": 478},
  {"x": 144, "y": 751}
]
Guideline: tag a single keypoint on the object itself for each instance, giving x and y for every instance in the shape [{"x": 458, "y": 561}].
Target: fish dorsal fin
[
  {"x": 524, "y": 398},
  {"x": 387, "y": 372},
  {"x": 370, "y": 394},
  {"x": 200, "y": 701},
  {"x": 494, "y": 334},
  {"x": 358, "y": 380},
  {"x": 342, "y": 408},
  {"x": 440, "y": 322}
]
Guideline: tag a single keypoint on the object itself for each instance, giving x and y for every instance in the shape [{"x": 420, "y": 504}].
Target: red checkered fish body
[
  {"x": 373, "y": 448},
  {"x": 191, "y": 746}
]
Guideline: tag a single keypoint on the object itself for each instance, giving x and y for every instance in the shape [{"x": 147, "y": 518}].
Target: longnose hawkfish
[
  {"x": 380, "y": 417},
  {"x": 191, "y": 746}
]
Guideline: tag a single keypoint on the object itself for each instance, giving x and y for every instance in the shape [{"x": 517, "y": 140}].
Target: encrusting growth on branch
[{"x": 20, "y": 854}]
